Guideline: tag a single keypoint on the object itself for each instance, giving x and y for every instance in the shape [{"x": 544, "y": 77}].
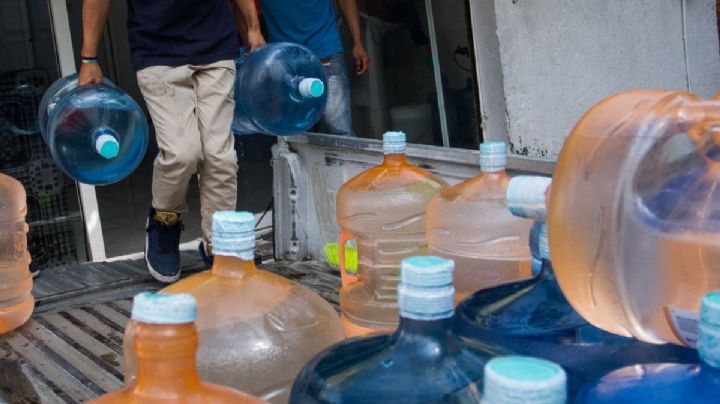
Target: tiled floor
[{"x": 124, "y": 206}]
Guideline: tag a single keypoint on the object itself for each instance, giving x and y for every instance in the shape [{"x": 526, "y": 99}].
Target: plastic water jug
[
  {"x": 279, "y": 90},
  {"x": 256, "y": 329},
  {"x": 523, "y": 380},
  {"x": 16, "y": 299},
  {"x": 665, "y": 383},
  {"x": 470, "y": 223},
  {"x": 166, "y": 341},
  {"x": 423, "y": 361},
  {"x": 97, "y": 134},
  {"x": 532, "y": 317},
  {"x": 383, "y": 210},
  {"x": 633, "y": 213}
]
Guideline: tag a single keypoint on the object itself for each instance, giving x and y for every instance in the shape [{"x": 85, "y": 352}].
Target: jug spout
[
  {"x": 311, "y": 87},
  {"x": 106, "y": 143}
]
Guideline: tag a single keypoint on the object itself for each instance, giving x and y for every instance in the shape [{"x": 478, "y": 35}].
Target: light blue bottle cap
[
  {"x": 311, "y": 88},
  {"x": 543, "y": 244},
  {"x": 162, "y": 308},
  {"x": 394, "y": 142},
  {"x": 426, "y": 288},
  {"x": 493, "y": 156},
  {"x": 106, "y": 143},
  {"x": 522, "y": 379},
  {"x": 709, "y": 333},
  {"x": 526, "y": 196},
  {"x": 234, "y": 234}
]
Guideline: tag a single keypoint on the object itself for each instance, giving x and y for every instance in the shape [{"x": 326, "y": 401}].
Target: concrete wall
[{"x": 556, "y": 58}]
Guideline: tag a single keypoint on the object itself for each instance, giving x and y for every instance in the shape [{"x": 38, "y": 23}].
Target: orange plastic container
[
  {"x": 633, "y": 213},
  {"x": 383, "y": 210},
  {"x": 166, "y": 342},
  {"x": 471, "y": 224},
  {"x": 16, "y": 299},
  {"x": 256, "y": 329}
]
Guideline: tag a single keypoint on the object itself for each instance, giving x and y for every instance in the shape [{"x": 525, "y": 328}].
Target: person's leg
[
  {"x": 215, "y": 88},
  {"x": 336, "y": 118},
  {"x": 170, "y": 98}
]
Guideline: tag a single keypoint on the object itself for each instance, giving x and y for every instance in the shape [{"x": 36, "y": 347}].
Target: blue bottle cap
[
  {"x": 543, "y": 245},
  {"x": 709, "y": 333},
  {"x": 394, "y": 142},
  {"x": 233, "y": 234},
  {"x": 106, "y": 143},
  {"x": 311, "y": 88},
  {"x": 526, "y": 196},
  {"x": 162, "y": 308},
  {"x": 426, "y": 288},
  {"x": 522, "y": 379},
  {"x": 493, "y": 156}
]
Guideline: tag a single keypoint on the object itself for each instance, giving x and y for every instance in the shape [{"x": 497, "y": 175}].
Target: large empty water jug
[
  {"x": 423, "y": 361},
  {"x": 16, "y": 299},
  {"x": 470, "y": 223},
  {"x": 256, "y": 329},
  {"x": 666, "y": 383},
  {"x": 383, "y": 210},
  {"x": 166, "y": 342},
  {"x": 634, "y": 213},
  {"x": 97, "y": 134},
  {"x": 279, "y": 90}
]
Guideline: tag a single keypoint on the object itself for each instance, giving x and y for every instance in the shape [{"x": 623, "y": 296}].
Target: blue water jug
[
  {"x": 423, "y": 361},
  {"x": 97, "y": 134},
  {"x": 534, "y": 318},
  {"x": 662, "y": 383},
  {"x": 279, "y": 90}
]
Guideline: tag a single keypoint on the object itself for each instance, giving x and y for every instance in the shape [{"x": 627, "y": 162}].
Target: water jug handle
[{"x": 346, "y": 277}]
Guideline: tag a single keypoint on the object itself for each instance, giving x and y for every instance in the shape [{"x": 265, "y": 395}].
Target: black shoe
[
  {"x": 207, "y": 258},
  {"x": 162, "y": 245}
]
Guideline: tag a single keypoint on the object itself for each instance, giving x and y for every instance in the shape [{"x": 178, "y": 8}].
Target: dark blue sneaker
[
  {"x": 162, "y": 245},
  {"x": 207, "y": 258}
]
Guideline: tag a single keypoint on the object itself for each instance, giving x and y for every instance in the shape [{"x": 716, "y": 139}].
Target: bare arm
[
  {"x": 94, "y": 16},
  {"x": 248, "y": 23},
  {"x": 349, "y": 10}
]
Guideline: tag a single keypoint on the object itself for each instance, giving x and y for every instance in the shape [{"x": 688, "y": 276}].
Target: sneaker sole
[{"x": 153, "y": 272}]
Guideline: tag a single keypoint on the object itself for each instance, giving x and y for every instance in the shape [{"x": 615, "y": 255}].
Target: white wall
[{"x": 556, "y": 58}]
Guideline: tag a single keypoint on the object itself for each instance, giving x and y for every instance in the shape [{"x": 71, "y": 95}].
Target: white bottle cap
[
  {"x": 234, "y": 234},
  {"x": 493, "y": 156},
  {"x": 526, "y": 196},
  {"x": 426, "y": 288},
  {"x": 394, "y": 142},
  {"x": 709, "y": 335},
  {"x": 311, "y": 88},
  {"x": 106, "y": 143},
  {"x": 543, "y": 244},
  {"x": 522, "y": 379},
  {"x": 162, "y": 308}
]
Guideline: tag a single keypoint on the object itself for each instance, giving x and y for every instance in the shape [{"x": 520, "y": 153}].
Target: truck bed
[{"x": 71, "y": 349}]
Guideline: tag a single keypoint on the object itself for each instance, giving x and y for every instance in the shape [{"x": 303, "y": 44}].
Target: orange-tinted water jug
[
  {"x": 16, "y": 300},
  {"x": 256, "y": 329},
  {"x": 383, "y": 210},
  {"x": 634, "y": 213},
  {"x": 166, "y": 342},
  {"x": 471, "y": 224}
]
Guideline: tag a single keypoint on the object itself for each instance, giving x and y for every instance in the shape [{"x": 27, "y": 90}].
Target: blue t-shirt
[
  {"x": 308, "y": 22},
  {"x": 181, "y": 32}
]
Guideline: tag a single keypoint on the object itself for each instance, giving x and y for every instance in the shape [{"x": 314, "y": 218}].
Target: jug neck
[
  {"x": 227, "y": 266},
  {"x": 166, "y": 359},
  {"x": 425, "y": 332},
  {"x": 395, "y": 160}
]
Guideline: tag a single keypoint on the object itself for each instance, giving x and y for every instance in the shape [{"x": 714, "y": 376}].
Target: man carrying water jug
[
  {"x": 311, "y": 23},
  {"x": 183, "y": 52}
]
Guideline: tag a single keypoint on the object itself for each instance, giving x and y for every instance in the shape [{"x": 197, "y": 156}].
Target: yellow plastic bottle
[
  {"x": 471, "y": 224},
  {"x": 383, "y": 210},
  {"x": 633, "y": 218},
  {"x": 16, "y": 299},
  {"x": 256, "y": 329},
  {"x": 166, "y": 342}
]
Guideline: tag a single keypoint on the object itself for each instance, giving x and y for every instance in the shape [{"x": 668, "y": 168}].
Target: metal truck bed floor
[{"x": 71, "y": 349}]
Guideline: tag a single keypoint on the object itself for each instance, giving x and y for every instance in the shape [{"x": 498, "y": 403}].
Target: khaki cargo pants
[{"x": 192, "y": 110}]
